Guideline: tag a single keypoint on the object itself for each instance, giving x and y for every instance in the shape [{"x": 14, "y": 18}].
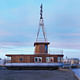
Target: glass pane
[
  {"x": 21, "y": 59},
  {"x": 51, "y": 59},
  {"x": 40, "y": 59},
  {"x": 46, "y": 48},
  {"x": 36, "y": 60},
  {"x": 47, "y": 59},
  {"x": 59, "y": 59}
]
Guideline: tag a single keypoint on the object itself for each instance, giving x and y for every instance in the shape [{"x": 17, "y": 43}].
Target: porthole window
[{"x": 21, "y": 59}]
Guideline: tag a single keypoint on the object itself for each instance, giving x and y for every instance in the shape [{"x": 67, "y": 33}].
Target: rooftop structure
[{"x": 41, "y": 46}]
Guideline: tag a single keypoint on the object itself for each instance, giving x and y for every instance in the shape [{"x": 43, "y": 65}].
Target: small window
[
  {"x": 21, "y": 59},
  {"x": 38, "y": 59},
  {"x": 8, "y": 58},
  {"x": 49, "y": 59},
  {"x": 59, "y": 59},
  {"x": 46, "y": 47}
]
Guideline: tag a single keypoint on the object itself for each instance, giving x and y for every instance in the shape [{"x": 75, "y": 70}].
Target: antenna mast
[{"x": 41, "y": 24}]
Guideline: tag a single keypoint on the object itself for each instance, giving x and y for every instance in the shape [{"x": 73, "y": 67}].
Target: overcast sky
[{"x": 19, "y": 21}]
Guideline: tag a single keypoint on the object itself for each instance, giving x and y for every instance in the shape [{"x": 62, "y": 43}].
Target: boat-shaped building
[{"x": 41, "y": 59}]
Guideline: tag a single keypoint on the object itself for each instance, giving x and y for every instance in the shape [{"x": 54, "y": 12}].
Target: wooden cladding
[
  {"x": 41, "y": 48},
  {"x": 31, "y": 58},
  {"x": 20, "y": 59}
]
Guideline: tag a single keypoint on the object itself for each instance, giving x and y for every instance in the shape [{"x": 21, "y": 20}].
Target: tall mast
[{"x": 41, "y": 25}]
